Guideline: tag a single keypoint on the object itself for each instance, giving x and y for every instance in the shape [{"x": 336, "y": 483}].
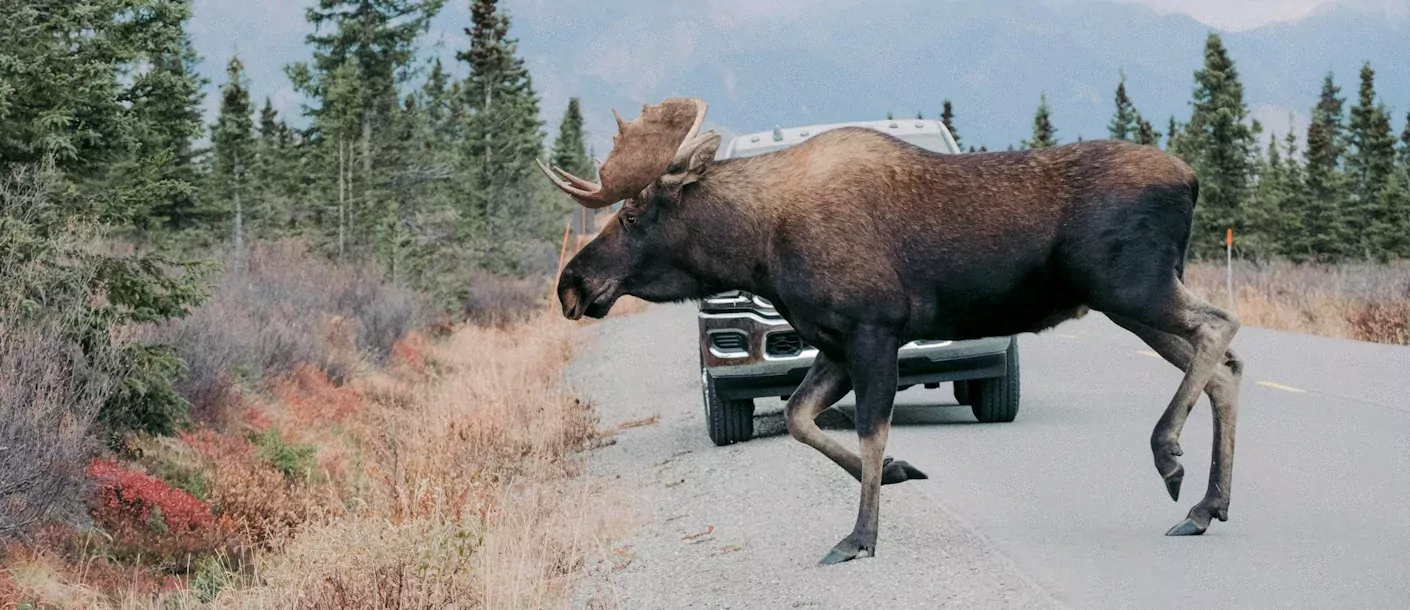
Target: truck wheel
[
  {"x": 729, "y": 420},
  {"x": 995, "y": 400},
  {"x": 962, "y": 391}
]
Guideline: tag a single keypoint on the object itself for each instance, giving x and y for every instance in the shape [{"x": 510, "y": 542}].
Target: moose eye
[{"x": 629, "y": 217}]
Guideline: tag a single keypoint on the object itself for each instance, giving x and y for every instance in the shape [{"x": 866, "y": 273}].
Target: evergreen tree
[
  {"x": 166, "y": 107},
  {"x": 1172, "y": 132},
  {"x": 1044, "y": 134},
  {"x": 1404, "y": 155},
  {"x": 1325, "y": 233},
  {"x": 1370, "y": 162},
  {"x": 275, "y": 178},
  {"x": 1221, "y": 147},
  {"x": 1125, "y": 124},
  {"x": 1396, "y": 200},
  {"x": 60, "y": 90},
  {"x": 570, "y": 149},
  {"x": 1145, "y": 133},
  {"x": 947, "y": 117},
  {"x": 1265, "y": 215},
  {"x": 339, "y": 124},
  {"x": 233, "y": 141},
  {"x": 376, "y": 41},
  {"x": 503, "y": 138}
]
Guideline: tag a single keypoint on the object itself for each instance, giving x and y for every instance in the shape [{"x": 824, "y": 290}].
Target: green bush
[{"x": 295, "y": 460}]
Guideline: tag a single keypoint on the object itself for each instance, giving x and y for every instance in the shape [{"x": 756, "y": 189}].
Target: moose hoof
[
  {"x": 1188, "y": 527},
  {"x": 850, "y": 548},
  {"x": 1173, "y": 481},
  {"x": 898, "y": 471}
]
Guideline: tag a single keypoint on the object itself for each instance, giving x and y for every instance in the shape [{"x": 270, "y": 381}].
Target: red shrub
[
  {"x": 310, "y": 398},
  {"x": 148, "y": 517},
  {"x": 213, "y": 445}
]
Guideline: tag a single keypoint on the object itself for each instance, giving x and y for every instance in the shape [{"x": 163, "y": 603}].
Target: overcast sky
[{"x": 269, "y": 34}]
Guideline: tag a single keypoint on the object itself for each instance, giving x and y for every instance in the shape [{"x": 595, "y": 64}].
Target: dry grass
[
  {"x": 1362, "y": 302},
  {"x": 449, "y": 480}
]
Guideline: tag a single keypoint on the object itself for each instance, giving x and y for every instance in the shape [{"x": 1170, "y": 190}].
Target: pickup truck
[{"x": 748, "y": 351}]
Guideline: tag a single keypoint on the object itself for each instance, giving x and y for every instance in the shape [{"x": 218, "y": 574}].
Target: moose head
[{"x": 655, "y": 167}]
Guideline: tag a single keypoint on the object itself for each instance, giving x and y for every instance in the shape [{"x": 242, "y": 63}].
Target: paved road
[{"x": 1060, "y": 508}]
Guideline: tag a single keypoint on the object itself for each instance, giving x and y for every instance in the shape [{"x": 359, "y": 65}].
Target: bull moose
[{"x": 864, "y": 242}]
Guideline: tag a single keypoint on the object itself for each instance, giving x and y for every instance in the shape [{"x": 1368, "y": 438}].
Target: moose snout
[
  {"x": 585, "y": 296},
  {"x": 572, "y": 295}
]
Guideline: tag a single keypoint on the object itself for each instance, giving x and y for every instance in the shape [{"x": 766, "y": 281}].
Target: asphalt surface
[{"x": 1062, "y": 508}]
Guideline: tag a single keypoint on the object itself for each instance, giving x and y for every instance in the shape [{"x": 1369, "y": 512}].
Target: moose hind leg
[
  {"x": 1224, "y": 399},
  {"x": 871, "y": 359},
  {"x": 1194, "y": 336}
]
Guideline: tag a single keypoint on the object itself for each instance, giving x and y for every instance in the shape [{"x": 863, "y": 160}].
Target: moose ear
[{"x": 691, "y": 159}]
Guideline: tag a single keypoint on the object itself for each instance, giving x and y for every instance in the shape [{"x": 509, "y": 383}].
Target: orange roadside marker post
[
  {"x": 562, "y": 250},
  {"x": 1229, "y": 267}
]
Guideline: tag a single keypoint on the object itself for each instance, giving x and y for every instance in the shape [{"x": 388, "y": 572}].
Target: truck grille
[
  {"x": 784, "y": 344},
  {"x": 728, "y": 342}
]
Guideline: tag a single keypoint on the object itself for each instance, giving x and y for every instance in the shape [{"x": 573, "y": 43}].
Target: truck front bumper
[{"x": 752, "y": 372}]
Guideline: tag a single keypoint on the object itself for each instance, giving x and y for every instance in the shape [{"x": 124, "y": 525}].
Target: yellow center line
[
  {"x": 1064, "y": 336},
  {"x": 1146, "y": 352},
  {"x": 1279, "y": 386}
]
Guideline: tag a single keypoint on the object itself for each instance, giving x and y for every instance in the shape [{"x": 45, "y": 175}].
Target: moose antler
[{"x": 642, "y": 150}]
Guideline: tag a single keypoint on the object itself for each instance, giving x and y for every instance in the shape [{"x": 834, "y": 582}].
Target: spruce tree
[
  {"x": 1404, "y": 155},
  {"x": 1325, "y": 233},
  {"x": 1266, "y": 211},
  {"x": 1221, "y": 146},
  {"x": 1125, "y": 124},
  {"x": 570, "y": 149},
  {"x": 503, "y": 138},
  {"x": 947, "y": 117},
  {"x": 376, "y": 40},
  {"x": 233, "y": 148},
  {"x": 1145, "y": 133},
  {"x": 1044, "y": 134},
  {"x": 166, "y": 106},
  {"x": 1370, "y": 162},
  {"x": 1396, "y": 200},
  {"x": 277, "y": 176}
]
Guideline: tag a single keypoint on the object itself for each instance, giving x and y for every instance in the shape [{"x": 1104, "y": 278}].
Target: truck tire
[
  {"x": 728, "y": 421},
  {"x": 995, "y": 400},
  {"x": 962, "y": 391}
]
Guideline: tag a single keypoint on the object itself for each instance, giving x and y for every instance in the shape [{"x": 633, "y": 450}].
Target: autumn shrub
[
  {"x": 277, "y": 307},
  {"x": 499, "y": 300},
  {"x": 1383, "y": 322},
  {"x": 259, "y": 507},
  {"x": 149, "y": 519},
  {"x": 49, "y": 398}
]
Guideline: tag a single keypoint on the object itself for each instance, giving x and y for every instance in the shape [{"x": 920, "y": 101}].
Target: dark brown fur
[{"x": 865, "y": 242}]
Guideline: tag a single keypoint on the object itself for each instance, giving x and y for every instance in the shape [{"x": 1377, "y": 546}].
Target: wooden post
[{"x": 562, "y": 251}]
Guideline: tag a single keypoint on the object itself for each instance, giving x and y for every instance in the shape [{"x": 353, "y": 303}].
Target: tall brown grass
[
  {"x": 450, "y": 479},
  {"x": 1362, "y": 302}
]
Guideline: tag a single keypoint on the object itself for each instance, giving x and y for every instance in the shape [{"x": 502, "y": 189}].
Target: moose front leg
[
  {"x": 826, "y": 383},
  {"x": 871, "y": 360}
]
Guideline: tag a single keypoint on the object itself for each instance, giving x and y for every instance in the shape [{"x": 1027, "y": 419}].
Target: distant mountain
[{"x": 788, "y": 62}]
